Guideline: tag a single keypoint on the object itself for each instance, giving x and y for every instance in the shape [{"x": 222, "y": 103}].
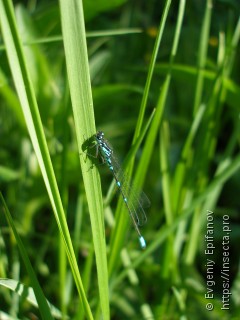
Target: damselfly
[{"x": 135, "y": 201}]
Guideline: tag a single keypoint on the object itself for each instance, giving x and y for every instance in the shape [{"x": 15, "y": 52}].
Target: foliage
[{"x": 162, "y": 82}]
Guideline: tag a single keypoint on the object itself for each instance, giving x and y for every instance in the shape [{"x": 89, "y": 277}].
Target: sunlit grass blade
[
  {"x": 91, "y": 34},
  {"x": 202, "y": 55},
  {"x": 181, "y": 168},
  {"x": 74, "y": 38},
  {"x": 153, "y": 132},
  {"x": 166, "y": 180},
  {"x": 29, "y": 106},
  {"x": 28, "y": 294},
  {"x": 151, "y": 69}
]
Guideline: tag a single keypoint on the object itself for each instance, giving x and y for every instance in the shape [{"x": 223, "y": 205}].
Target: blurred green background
[{"x": 193, "y": 167}]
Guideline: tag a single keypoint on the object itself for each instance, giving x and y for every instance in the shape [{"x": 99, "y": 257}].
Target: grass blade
[
  {"x": 28, "y": 102},
  {"x": 74, "y": 38}
]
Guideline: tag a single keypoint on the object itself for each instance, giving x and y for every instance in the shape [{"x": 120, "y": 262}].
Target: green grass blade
[
  {"x": 202, "y": 56},
  {"x": 74, "y": 38},
  {"x": 181, "y": 169},
  {"x": 149, "y": 145},
  {"x": 151, "y": 69},
  {"x": 166, "y": 181},
  {"x": 121, "y": 222},
  {"x": 28, "y": 294},
  {"x": 117, "y": 240},
  {"x": 131, "y": 155},
  {"x": 28, "y": 102}
]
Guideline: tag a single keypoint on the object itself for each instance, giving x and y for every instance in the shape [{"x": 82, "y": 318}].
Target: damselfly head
[{"x": 99, "y": 135}]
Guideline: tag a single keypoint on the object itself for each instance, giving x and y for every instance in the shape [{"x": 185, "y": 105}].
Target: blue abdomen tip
[{"x": 142, "y": 242}]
